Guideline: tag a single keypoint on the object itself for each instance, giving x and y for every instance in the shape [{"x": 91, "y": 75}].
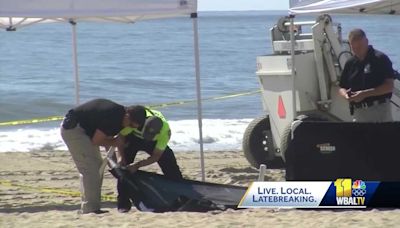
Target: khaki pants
[
  {"x": 376, "y": 113},
  {"x": 88, "y": 160}
]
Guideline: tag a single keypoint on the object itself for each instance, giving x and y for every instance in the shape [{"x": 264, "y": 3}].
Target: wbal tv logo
[{"x": 350, "y": 193}]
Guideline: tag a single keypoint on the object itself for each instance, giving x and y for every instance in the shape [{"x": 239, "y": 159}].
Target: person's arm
[
  {"x": 385, "y": 88},
  {"x": 121, "y": 149},
  {"x": 101, "y": 139},
  {"x": 120, "y": 152},
  {"x": 344, "y": 93},
  {"x": 155, "y": 157},
  {"x": 161, "y": 144},
  {"x": 121, "y": 157},
  {"x": 387, "y": 72}
]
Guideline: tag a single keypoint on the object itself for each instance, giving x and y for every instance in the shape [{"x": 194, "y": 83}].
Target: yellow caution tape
[
  {"x": 31, "y": 121},
  {"x": 58, "y": 191},
  {"x": 205, "y": 99},
  {"x": 163, "y": 105}
]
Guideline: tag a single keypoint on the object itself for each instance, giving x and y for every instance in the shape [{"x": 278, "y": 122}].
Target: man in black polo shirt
[
  {"x": 367, "y": 81},
  {"x": 84, "y": 129}
]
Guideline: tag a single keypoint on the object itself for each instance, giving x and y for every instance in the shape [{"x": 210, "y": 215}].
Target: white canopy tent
[
  {"x": 19, "y": 13},
  {"x": 345, "y": 6}
]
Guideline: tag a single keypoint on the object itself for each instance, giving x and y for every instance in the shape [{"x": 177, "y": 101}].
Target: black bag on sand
[{"x": 157, "y": 193}]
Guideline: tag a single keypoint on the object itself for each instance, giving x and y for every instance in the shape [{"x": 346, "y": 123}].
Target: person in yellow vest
[{"x": 149, "y": 131}]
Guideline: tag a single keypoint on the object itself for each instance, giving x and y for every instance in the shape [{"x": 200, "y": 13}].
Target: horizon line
[{"x": 233, "y": 10}]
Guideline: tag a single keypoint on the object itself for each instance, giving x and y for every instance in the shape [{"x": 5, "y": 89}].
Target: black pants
[{"x": 167, "y": 164}]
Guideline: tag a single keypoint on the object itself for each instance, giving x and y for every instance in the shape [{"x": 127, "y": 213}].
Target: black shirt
[
  {"x": 370, "y": 73},
  {"x": 102, "y": 114}
]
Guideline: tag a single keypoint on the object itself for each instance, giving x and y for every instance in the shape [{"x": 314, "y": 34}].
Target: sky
[{"x": 242, "y": 5}]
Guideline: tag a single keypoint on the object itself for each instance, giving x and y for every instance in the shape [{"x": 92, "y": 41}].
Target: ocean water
[{"x": 149, "y": 62}]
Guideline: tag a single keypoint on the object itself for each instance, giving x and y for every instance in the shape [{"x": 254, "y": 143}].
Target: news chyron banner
[{"x": 342, "y": 193}]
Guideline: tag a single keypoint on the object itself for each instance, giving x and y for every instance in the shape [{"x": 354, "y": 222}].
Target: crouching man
[{"x": 149, "y": 131}]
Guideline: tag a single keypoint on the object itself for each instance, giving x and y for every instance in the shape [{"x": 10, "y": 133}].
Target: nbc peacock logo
[
  {"x": 359, "y": 188},
  {"x": 350, "y": 193}
]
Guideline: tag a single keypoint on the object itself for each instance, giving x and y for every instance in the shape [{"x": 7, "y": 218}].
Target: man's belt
[
  {"x": 368, "y": 104},
  {"x": 70, "y": 120}
]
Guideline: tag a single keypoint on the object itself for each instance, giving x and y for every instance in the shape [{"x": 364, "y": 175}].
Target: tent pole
[
  {"x": 292, "y": 51},
  {"x": 75, "y": 60},
  {"x": 198, "y": 91}
]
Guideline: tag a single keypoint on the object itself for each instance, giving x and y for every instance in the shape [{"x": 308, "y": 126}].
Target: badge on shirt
[{"x": 367, "y": 69}]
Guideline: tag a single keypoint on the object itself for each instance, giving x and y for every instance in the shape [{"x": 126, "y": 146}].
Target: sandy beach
[{"x": 40, "y": 189}]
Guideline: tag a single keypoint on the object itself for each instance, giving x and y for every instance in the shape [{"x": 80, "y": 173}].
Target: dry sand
[{"x": 38, "y": 189}]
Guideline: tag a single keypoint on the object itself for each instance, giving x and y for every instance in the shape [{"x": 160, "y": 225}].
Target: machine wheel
[
  {"x": 287, "y": 133},
  {"x": 285, "y": 140},
  {"x": 258, "y": 146}
]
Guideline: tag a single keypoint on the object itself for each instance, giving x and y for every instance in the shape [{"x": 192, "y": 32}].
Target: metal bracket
[{"x": 324, "y": 105}]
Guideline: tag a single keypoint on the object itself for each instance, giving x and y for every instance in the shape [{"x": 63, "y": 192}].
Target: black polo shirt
[
  {"x": 367, "y": 74},
  {"x": 102, "y": 114}
]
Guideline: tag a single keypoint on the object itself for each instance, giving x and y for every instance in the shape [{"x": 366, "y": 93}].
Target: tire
[
  {"x": 285, "y": 141},
  {"x": 287, "y": 133},
  {"x": 258, "y": 146}
]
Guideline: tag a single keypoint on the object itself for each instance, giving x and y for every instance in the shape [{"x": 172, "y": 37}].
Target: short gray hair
[{"x": 356, "y": 34}]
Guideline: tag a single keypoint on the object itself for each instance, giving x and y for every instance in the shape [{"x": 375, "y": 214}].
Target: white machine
[{"x": 306, "y": 89}]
